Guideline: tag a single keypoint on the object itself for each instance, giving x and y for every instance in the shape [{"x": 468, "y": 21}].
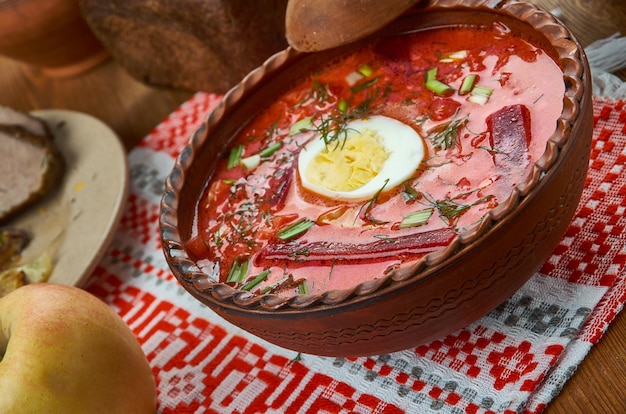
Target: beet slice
[
  {"x": 330, "y": 252},
  {"x": 509, "y": 135}
]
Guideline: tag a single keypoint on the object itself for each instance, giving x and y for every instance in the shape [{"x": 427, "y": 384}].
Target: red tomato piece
[
  {"x": 442, "y": 108},
  {"x": 197, "y": 248}
]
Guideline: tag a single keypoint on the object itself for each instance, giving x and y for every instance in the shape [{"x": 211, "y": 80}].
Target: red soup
[{"x": 377, "y": 159}]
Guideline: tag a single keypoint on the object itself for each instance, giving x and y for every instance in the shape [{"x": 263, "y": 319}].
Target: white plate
[{"x": 76, "y": 222}]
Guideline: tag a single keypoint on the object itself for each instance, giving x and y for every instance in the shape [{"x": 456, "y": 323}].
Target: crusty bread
[
  {"x": 198, "y": 45},
  {"x": 30, "y": 163}
]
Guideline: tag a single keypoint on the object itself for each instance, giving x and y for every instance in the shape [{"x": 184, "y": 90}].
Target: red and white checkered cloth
[{"x": 513, "y": 360}]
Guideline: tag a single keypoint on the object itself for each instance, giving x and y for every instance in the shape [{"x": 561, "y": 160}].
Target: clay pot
[
  {"x": 50, "y": 34},
  {"x": 442, "y": 292}
]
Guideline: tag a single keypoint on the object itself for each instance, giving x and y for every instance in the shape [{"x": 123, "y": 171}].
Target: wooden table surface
[{"x": 132, "y": 109}]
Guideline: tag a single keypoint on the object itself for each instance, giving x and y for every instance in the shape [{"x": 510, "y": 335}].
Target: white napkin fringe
[{"x": 606, "y": 56}]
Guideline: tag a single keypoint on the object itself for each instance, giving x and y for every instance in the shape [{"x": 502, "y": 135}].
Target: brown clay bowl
[
  {"x": 49, "y": 34},
  {"x": 445, "y": 290}
]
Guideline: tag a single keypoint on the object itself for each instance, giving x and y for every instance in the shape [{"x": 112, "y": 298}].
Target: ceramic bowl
[{"x": 445, "y": 290}]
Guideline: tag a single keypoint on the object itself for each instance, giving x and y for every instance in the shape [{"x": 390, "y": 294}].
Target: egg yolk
[{"x": 348, "y": 165}]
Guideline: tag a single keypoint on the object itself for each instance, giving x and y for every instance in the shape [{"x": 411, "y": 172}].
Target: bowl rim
[{"x": 214, "y": 293}]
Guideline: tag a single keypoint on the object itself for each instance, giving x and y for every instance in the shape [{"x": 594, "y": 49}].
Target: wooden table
[{"x": 132, "y": 109}]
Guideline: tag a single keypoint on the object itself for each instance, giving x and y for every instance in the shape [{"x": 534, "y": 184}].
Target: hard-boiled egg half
[{"x": 376, "y": 153}]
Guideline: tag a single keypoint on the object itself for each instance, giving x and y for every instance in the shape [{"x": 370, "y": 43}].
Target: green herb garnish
[
  {"x": 333, "y": 128},
  {"x": 431, "y": 74},
  {"x": 480, "y": 94},
  {"x": 410, "y": 193},
  {"x": 319, "y": 92},
  {"x": 251, "y": 162},
  {"x": 446, "y": 135},
  {"x": 342, "y": 106},
  {"x": 303, "y": 287},
  {"x": 238, "y": 271},
  {"x": 450, "y": 210},
  {"x": 271, "y": 149},
  {"x": 468, "y": 84},
  {"x": 234, "y": 157},
  {"x": 417, "y": 218},
  {"x": 368, "y": 205},
  {"x": 295, "y": 229},
  {"x": 256, "y": 280},
  {"x": 364, "y": 85},
  {"x": 303, "y": 125},
  {"x": 297, "y": 358},
  {"x": 439, "y": 87},
  {"x": 365, "y": 70},
  {"x": 482, "y": 90}
]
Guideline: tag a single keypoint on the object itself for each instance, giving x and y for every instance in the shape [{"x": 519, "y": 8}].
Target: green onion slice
[
  {"x": 362, "y": 86},
  {"x": 478, "y": 99},
  {"x": 342, "y": 106},
  {"x": 482, "y": 91},
  {"x": 439, "y": 87},
  {"x": 256, "y": 280},
  {"x": 454, "y": 56},
  {"x": 417, "y": 218},
  {"x": 303, "y": 287},
  {"x": 234, "y": 157},
  {"x": 302, "y": 125},
  {"x": 295, "y": 229},
  {"x": 238, "y": 271},
  {"x": 468, "y": 84},
  {"x": 365, "y": 70},
  {"x": 270, "y": 288},
  {"x": 431, "y": 74},
  {"x": 251, "y": 162},
  {"x": 480, "y": 94},
  {"x": 272, "y": 148}
]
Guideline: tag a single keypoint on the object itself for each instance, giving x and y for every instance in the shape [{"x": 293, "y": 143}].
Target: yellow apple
[{"x": 65, "y": 351}]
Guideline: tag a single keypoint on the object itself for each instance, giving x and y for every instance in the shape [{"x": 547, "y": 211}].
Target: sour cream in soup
[{"x": 377, "y": 159}]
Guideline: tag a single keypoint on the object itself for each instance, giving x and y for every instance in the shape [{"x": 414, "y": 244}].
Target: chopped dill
[
  {"x": 369, "y": 204},
  {"x": 362, "y": 86},
  {"x": 333, "y": 126},
  {"x": 319, "y": 93},
  {"x": 409, "y": 194},
  {"x": 450, "y": 210},
  {"x": 217, "y": 238},
  {"x": 446, "y": 135},
  {"x": 295, "y": 359},
  {"x": 491, "y": 150},
  {"x": 385, "y": 238},
  {"x": 298, "y": 253}
]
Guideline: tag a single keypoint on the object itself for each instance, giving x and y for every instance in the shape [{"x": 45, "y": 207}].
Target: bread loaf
[{"x": 197, "y": 45}]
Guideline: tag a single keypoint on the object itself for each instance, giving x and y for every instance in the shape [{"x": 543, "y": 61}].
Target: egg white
[{"x": 403, "y": 144}]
